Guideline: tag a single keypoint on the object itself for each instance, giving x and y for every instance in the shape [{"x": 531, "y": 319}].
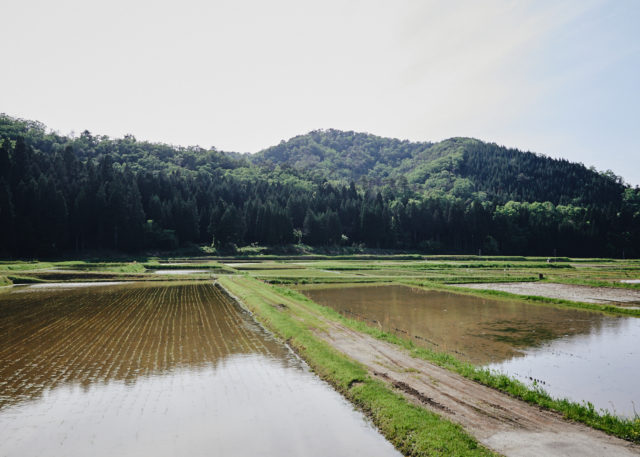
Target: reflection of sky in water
[
  {"x": 179, "y": 272},
  {"x": 160, "y": 370},
  {"x": 579, "y": 354},
  {"x": 602, "y": 367},
  {"x": 245, "y": 405},
  {"x": 477, "y": 330}
]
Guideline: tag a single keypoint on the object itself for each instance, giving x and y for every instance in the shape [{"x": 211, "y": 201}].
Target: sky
[{"x": 561, "y": 78}]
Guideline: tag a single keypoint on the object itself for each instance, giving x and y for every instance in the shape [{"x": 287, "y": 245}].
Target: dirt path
[
  {"x": 587, "y": 294},
  {"x": 500, "y": 422}
]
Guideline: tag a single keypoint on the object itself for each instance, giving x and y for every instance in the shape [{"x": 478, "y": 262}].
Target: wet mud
[
  {"x": 580, "y": 355},
  {"x": 160, "y": 370},
  {"x": 572, "y": 292},
  {"x": 477, "y": 330}
]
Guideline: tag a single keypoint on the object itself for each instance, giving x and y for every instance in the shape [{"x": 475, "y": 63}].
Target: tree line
[{"x": 60, "y": 195}]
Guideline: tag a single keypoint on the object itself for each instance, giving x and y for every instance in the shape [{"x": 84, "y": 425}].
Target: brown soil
[
  {"x": 587, "y": 294},
  {"x": 498, "y": 421},
  {"x": 477, "y": 329}
]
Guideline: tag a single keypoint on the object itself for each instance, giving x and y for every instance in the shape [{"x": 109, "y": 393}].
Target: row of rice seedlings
[{"x": 115, "y": 333}]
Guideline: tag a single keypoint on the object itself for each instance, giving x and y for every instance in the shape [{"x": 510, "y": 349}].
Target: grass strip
[
  {"x": 450, "y": 266},
  {"x": 628, "y": 429},
  {"x": 615, "y": 284},
  {"x": 185, "y": 266},
  {"x": 7, "y": 266},
  {"x": 413, "y": 430},
  {"x": 23, "y": 279},
  {"x": 558, "y": 302},
  {"x": 484, "y": 293}
]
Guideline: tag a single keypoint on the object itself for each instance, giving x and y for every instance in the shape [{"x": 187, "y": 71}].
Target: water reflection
[
  {"x": 138, "y": 370},
  {"x": 580, "y": 355},
  {"x": 602, "y": 367},
  {"x": 478, "y": 330},
  {"x": 117, "y": 332},
  {"x": 178, "y": 272}
]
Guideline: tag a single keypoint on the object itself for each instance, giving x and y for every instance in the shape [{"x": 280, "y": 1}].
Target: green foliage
[
  {"x": 23, "y": 279},
  {"x": 610, "y": 309},
  {"x": 413, "y": 430},
  {"x": 61, "y": 194},
  {"x": 628, "y": 429},
  {"x": 337, "y": 155}
]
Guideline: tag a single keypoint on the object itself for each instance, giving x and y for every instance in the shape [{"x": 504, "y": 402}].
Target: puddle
[
  {"x": 163, "y": 370},
  {"x": 178, "y": 272},
  {"x": 577, "y": 354},
  {"x": 602, "y": 295},
  {"x": 479, "y": 330},
  {"x": 241, "y": 264},
  {"x": 65, "y": 285},
  {"x": 601, "y": 366}
]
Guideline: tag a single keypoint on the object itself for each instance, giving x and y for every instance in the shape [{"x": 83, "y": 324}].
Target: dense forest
[{"x": 62, "y": 194}]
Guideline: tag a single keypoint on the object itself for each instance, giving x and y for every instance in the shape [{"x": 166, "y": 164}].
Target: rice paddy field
[
  {"x": 557, "y": 349},
  {"x": 160, "y": 369},
  {"x": 148, "y": 357}
]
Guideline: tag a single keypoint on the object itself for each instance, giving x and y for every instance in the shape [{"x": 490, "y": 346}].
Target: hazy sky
[{"x": 557, "y": 77}]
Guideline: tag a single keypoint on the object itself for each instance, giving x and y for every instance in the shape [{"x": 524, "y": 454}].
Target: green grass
[
  {"x": 120, "y": 268},
  {"x": 186, "y": 266},
  {"x": 9, "y": 266},
  {"x": 214, "y": 267},
  {"x": 23, "y": 279},
  {"x": 132, "y": 267},
  {"x": 447, "y": 270},
  {"x": 558, "y": 302},
  {"x": 628, "y": 429},
  {"x": 413, "y": 430},
  {"x": 325, "y": 280},
  {"x": 445, "y": 275},
  {"x": 448, "y": 266},
  {"x": 111, "y": 267},
  {"x": 597, "y": 283}
]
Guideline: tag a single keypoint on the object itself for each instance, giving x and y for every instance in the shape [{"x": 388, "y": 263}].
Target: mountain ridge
[
  {"x": 324, "y": 188},
  {"x": 416, "y": 160},
  {"x": 460, "y": 164}
]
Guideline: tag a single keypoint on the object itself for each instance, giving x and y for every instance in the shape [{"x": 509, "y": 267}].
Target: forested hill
[
  {"x": 458, "y": 165},
  {"x": 62, "y": 194}
]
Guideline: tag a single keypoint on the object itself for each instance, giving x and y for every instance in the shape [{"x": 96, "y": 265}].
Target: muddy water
[
  {"x": 155, "y": 370},
  {"x": 178, "y": 272},
  {"x": 576, "y": 354},
  {"x": 601, "y": 366}
]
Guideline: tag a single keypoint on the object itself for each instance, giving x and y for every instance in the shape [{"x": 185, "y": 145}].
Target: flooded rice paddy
[
  {"x": 581, "y": 355},
  {"x": 587, "y": 294},
  {"x": 178, "y": 272},
  {"x": 160, "y": 369},
  {"x": 65, "y": 285}
]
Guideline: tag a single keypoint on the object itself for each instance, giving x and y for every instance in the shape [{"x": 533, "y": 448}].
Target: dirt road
[
  {"x": 587, "y": 294},
  {"x": 498, "y": 421}
]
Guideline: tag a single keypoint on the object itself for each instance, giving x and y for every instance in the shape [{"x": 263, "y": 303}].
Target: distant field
[
  {"x": 439, "y": 269},
  {"x": 508, "y": 332},
  {"x": 427, "y": 271}
]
